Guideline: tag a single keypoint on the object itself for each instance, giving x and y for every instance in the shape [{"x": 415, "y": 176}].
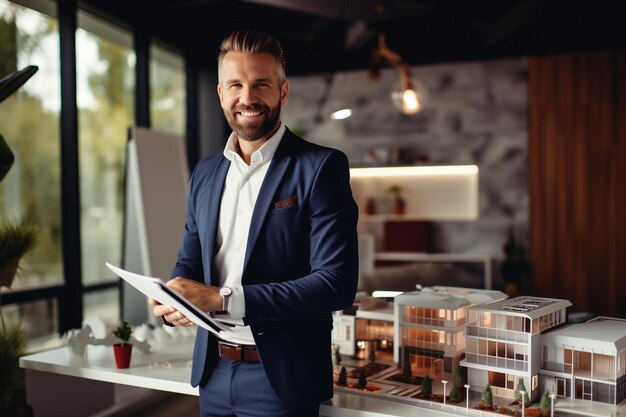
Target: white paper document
[{"x": 156, "y": 288}]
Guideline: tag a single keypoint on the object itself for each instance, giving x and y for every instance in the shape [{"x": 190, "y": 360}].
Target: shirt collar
[{"x": 264, "y": 154}]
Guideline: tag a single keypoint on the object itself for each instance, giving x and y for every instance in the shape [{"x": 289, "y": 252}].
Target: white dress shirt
[{"x": 241, "y": 189}]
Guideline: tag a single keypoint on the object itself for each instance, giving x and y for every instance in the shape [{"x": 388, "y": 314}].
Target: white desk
[{"x": 56, "y": 379}]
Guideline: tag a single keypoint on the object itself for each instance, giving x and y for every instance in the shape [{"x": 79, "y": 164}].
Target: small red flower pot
[{"x": 122, "y": 354}]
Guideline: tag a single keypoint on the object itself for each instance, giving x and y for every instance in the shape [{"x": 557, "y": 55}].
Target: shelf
[{"x": 439, "y": 257}]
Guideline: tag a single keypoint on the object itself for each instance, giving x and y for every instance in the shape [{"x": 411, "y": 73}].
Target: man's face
[{"x": 250, "y": 94}]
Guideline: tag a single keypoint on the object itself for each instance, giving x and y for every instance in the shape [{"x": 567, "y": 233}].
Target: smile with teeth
[{"x": 250, "y": 113}]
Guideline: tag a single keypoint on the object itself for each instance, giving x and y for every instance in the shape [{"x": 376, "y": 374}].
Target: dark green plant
[
  {"x": 406, "y": 368},
  {"x": 8, "y": 85},
  {"x": 372, "y": 351},
  {"x": 362, "y": 380},
  {"x": 454, "y": 393},
  {"x": 458, "y": 380},
  {"x": 343, "y": 377},
  {"x": 516, "y": 266},
  {"x": 487, "y": 397},
  {"x": 16, "y": 239},
  {"x": 6, "y": 158},
  {"x": 518, "y": 392},
  {"x": 123, "y": 332},
  {"x": 337, "y": 355},
  {"x": 12, "y": 391},
  {"x": 427, "y": 385},
  {"x": 546, "y": 405}
]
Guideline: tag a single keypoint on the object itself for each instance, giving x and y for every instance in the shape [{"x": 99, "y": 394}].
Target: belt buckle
[
  {"x": 234, "y": 346},
  {"x": 229, "y": 344}
]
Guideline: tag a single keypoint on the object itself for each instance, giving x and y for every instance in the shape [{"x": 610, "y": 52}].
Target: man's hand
[{"x": 205, "y": 297}]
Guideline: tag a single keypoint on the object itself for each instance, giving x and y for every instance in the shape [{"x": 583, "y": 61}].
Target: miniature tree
[
  {"x": 546, "y": 406},
  {"x": 454, "y": 394},
  {"x": 427, "y": 385},
  {"x": 362, "y": 380},
  {"x": 406, "y": 369},
  {"x": 343, "y": 377},
  {"x": 372, "y": 354},
  {"x": 123, "y": 332},
  {"x": 518, "y": 392},
  {"x": 487, "y": 398},
  {"x": 458, "y": 380},
  {"x": 337, "y": 355}
]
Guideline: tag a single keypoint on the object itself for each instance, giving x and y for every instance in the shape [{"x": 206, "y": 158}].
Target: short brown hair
[{"x": 254, "y": 42}]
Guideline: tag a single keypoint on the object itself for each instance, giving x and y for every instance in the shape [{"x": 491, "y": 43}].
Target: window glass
[
  {"x": 105, "y": 65},
  {"x": 167, "y": 91},
  {"x": 103, "y": 305},
  {"x": 29, "y": 122},
  {"x": 37, "y": 318}
]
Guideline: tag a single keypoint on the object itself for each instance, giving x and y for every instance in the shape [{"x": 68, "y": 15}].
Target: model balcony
[
  {"x": 498, "y": 334},
  {"x": 495, "y": 362}
]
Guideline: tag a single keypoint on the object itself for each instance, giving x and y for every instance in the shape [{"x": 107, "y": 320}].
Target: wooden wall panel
[{"x": 577, "y": 184}]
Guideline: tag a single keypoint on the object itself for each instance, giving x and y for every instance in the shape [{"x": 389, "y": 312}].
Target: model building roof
[
  {"x": 530, "y": 307},
  {"x": 605, "y": 335},
  {"x": 448, "y": 298}
]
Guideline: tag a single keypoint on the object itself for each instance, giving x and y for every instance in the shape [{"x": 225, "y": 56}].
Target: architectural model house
[
  {"x": 370, "y": 324},
  {"x": 430, "y": 325},
  {"x": 342, "y": 335},
  {"x": 500, "y": 341},
  {"x": 586, "y": 361},
  {"x": 504, "y": 343}
]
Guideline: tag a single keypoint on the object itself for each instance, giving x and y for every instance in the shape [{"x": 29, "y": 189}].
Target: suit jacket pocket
[{"x": 286, "y": 210}]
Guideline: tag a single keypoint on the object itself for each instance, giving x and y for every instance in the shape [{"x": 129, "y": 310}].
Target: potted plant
[
  {"x": 399, "y": 205},
  {"x": 16, "y": 239},
  {"x": 12, "y": 383},
  {"x": 123, "y": 350},
  {"x": 516, "y": 267}
]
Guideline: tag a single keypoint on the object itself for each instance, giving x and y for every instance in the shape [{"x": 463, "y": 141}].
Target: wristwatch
[{"x": 225, "y": 292}]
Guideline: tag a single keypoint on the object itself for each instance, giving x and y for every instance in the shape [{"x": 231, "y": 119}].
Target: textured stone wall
[{"x": 475, "y": 113}]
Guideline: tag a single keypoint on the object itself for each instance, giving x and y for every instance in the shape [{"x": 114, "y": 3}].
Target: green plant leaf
[
  {"x": 16, "y": 239},
  {"x": 6, "y": 158},
  {"x": 10, "y": 83}
]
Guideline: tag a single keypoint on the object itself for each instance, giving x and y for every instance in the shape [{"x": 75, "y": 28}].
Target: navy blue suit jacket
[{"x": 301, "y": 263}]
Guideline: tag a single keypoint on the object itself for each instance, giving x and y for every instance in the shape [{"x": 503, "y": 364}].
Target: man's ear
[
  {"x": 284, "y": 93},
  {"x": 219, "y": 94}
]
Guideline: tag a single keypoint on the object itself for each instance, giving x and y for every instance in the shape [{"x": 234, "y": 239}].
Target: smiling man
[{"x": 270, "y": 246}]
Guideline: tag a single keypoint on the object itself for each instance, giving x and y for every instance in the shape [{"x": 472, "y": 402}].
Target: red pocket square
[{"x": 287, "y": 202}]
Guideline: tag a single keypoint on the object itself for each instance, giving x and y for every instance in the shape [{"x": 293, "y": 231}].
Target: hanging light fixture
[{"x": 407, "y": 95}]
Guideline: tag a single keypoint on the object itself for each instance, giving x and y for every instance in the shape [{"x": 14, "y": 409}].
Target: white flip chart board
[{"x": 155, "y": 207}]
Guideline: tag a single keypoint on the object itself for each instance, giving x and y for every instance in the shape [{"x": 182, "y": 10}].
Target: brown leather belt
[{"x": 240, "y": 353}]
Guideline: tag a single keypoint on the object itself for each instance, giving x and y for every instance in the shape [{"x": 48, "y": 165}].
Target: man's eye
[{"x": 235, "y": 86}]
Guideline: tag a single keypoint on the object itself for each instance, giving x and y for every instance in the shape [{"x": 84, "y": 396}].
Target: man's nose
[{"x": 247, "y": 95}]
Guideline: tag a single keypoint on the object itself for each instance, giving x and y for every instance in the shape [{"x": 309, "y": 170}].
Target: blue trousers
[{"x": 241, "y": 389}]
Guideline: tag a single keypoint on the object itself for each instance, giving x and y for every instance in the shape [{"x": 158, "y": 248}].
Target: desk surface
[{"x": 168, "y": 368}]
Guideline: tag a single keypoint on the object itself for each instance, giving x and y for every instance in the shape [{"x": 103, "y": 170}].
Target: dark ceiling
[{"x": 326, "y": 35}]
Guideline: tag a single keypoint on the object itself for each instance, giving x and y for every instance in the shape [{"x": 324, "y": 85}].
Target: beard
[{"x": 251, "y": 131}]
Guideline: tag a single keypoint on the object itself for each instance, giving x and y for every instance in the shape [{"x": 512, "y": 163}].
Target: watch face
[{"x": 225, "y": 291}]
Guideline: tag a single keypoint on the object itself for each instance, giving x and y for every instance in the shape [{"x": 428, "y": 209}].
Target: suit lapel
[
  {"x": 214, "y": 193},
  {"x": 273, "y": 178}
]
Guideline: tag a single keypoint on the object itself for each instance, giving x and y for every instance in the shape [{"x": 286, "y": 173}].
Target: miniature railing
[
  {"x": 426, "y": 345},
  {"x": 557, "y": 367},
  {"x": 498, "y": 334},
  {"x": 505, "y": 363},
  {"x": 435, "y": 322},
  {"x": 409, "y": 319}
]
